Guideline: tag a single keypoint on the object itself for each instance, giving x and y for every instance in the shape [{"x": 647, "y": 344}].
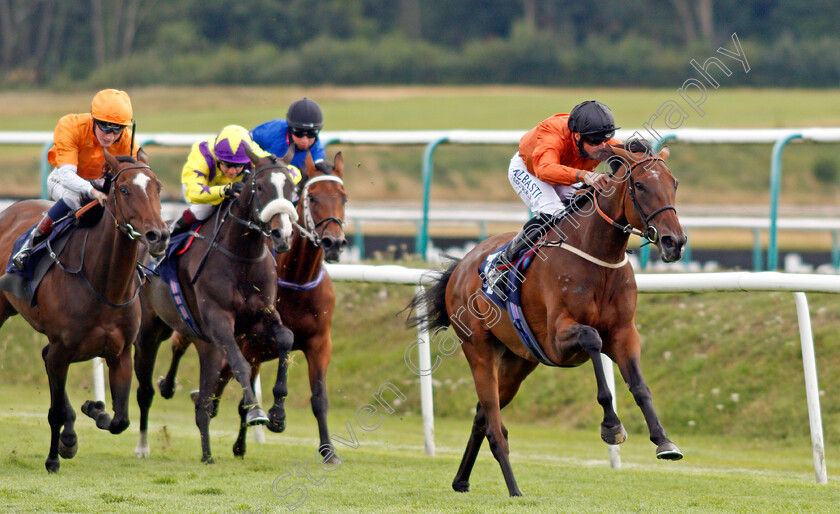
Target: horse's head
[
  {"x": 134, "y": 201},
  {"x": 268, "y": 191},
  {"x": 321, "y": 206},
  {"x": 650, "y": 197}
]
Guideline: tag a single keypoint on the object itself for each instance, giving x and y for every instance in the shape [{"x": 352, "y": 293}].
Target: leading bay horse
[
  {"x": 305, "y": 300},
  {"x": 86, "y": 303},
  {"x": 578, "y": 297},
  {"x": 229, "y": 284}
]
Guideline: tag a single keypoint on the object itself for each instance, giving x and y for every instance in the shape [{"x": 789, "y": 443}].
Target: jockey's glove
[{"x": 234, "y": 188}]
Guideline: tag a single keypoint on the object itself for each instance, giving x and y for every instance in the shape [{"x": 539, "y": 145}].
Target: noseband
[
  {"x": 650, "y": 233},
  {"x": 310, "y": 227}
]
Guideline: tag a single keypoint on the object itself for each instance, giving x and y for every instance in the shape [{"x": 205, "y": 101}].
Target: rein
[
  {"x": 309, "y": 230},
  {"x": 650, "y": 234},
  {"x": 124, "y": 227},
  {"x": 253, "y": 207}
]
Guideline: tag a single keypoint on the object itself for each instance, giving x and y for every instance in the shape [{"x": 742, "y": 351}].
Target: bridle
[
  {"x": 650, "y": 233},
  {"x": 309, "y": 228},
  {"x": 124, "y": 227},
  {"x": 254, "y": 206}
]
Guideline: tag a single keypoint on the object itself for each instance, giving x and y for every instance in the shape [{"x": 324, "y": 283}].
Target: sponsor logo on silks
[{"x": 529, "y": 186}]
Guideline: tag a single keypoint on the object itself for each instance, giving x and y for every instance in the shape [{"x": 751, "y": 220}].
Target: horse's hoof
[
  {"x": 141, "y": 452},
  {"x": 90, "y": 408},
  {"x": 461, "y": 486},
  {"x": 668, "y": 451},
  {"x": 277, "y": 419},
  {"x": 118, "y": 428},
  {"x": 68, "y": 451},
  {"x": 256, "y": 416},
  {"x": 103, "y": 420},
  {"x": 52, "y": 465},
  {"x": 613, "y": 435},
  {"x": 207, "y": 460},
  {"x": 167, "y": 390},
  {"x": 238, "y": 451}
]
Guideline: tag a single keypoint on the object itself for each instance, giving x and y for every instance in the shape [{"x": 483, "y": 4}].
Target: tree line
[{"x": 55, "y": 43}]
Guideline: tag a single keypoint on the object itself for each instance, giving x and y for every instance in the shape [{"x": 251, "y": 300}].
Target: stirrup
[{"x": 20, "y": 258}]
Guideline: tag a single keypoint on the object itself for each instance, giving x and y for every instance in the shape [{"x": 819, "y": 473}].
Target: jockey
[
  {"x": 213, "y": 172},
  {"x": 78, "y": 157},
  {"x": 303, "y": 122},
  {"x": 554, "y": 155}
]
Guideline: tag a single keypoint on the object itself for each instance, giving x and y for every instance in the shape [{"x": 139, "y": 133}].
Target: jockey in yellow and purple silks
[{"x": 213, "y": 172}]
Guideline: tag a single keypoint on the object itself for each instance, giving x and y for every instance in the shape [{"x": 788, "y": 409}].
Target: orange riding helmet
[{"x": 113, "y": 106}]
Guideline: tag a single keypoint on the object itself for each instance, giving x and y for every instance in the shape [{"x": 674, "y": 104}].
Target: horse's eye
[
  {"x": 259, "y": 187},
  {"x": 123, "y": 190},
  {"x": 310, "y": 199},
  {"x": 639, "y": 186}
]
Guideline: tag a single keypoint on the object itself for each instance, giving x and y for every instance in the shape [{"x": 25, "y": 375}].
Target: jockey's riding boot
[
  {"x": 38, "y": 233},
  {"x": 178, "y": 227},
  {"x": 533, "y": 230}
]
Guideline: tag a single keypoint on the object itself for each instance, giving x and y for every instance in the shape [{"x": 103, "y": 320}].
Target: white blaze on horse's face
[
  {"x": 141, "y": 180},
  {"x": 280, "y": 206}
]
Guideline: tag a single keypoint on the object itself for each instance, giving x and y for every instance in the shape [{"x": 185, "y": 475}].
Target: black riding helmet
[
  {"x": 593, "y": 120},
  {"x": 305, "y": 114}
]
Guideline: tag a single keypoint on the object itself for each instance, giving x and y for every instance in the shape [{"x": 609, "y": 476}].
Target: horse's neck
[
  {"x": 303, "y": 261},
  {"x": 236, "y": 237},
  {"x": 596, "y": 236},
  {"x": 110, "y": 258}
]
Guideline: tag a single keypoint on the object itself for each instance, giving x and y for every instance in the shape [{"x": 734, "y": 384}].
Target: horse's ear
[
  {"x": 310, "y": 164},
  {"x": 290, "y": 153},
  {"x": 255, "y": 160},
  {"x": 111, "y": 160},
  {"x": 142, "y": 156},
  {"x": 338, "y": 165},
  {"x": 664, "y": 154}
]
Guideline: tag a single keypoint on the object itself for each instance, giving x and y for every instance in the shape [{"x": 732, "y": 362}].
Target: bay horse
[
  {"x": 86, "y": 303},
  {"x": 229, "y": 284},
  {"x": 306, "y": 300},
  {"x": 579, "y": 298}
]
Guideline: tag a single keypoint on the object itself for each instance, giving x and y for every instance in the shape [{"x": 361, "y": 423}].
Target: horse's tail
[{"x": 434, "y": 299}]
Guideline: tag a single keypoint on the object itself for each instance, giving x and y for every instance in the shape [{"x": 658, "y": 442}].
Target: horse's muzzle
[
  {"x": 280, "y": 242},
  {"x": 671, "y": 247},
  {"x": 333, "y": 247},
  {"x": 156, "y": 240}
]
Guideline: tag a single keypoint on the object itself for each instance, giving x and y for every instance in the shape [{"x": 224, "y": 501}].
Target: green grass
[{"x": 557, "y": 469}]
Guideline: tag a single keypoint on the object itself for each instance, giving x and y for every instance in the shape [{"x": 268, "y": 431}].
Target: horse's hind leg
[
  {"x": 512, "y": 372},
  {"x": 56, "y": 364},
  {"x": 627, "y": 357},
  {"x": 152, "y": 332},
  {"x": 166, "y": 384}
]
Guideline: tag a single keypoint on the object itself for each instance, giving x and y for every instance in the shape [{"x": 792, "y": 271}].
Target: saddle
[{"x": 24, "y": 283}]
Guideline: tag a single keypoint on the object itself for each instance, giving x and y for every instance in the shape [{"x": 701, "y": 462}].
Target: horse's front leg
[
  {"x": 625, "y": 351},
  {"x": 119, "y": 374},
  {"x": 318, "y": 351},
  {"x": 68, "y": 443},
  {"x": 221, "y": 332},
  {"x": 283, "y": 339},
  {"x": 570, "y": 339},
  {"x": 210, "y": 363},
  {"x": 56, "y": 364}
]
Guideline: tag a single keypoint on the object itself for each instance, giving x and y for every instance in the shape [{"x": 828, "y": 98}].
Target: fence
[{"x": 432, "y": 139}]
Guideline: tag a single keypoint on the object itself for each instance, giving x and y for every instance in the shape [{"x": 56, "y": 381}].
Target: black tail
[{"x": 434, "y": 298}]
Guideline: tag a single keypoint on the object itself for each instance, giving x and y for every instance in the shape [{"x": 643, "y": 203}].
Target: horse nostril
[
  {"x": 667, "y": 241},
  {"x": 343, "y": 244},
  {"x": 152, "y": 236},
  {"x": 327, "y": 243}
]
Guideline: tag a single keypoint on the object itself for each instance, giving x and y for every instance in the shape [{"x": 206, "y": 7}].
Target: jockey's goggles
[
  {"x": 228, "y": 164},
  {"x": 109, "y": 128},
  {"x": 310, "y": 133},
  {"x": 598, "y": 139}
]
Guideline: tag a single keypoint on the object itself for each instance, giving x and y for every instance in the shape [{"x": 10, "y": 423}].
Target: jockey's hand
[
  {"x": 590, "y": 177},
  {"x": 99, "y": 196},
  {"x": 234, "y": 188}
]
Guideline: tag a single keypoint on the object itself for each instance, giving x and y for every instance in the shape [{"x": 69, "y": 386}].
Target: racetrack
[{"x": 558, "y": 470}]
